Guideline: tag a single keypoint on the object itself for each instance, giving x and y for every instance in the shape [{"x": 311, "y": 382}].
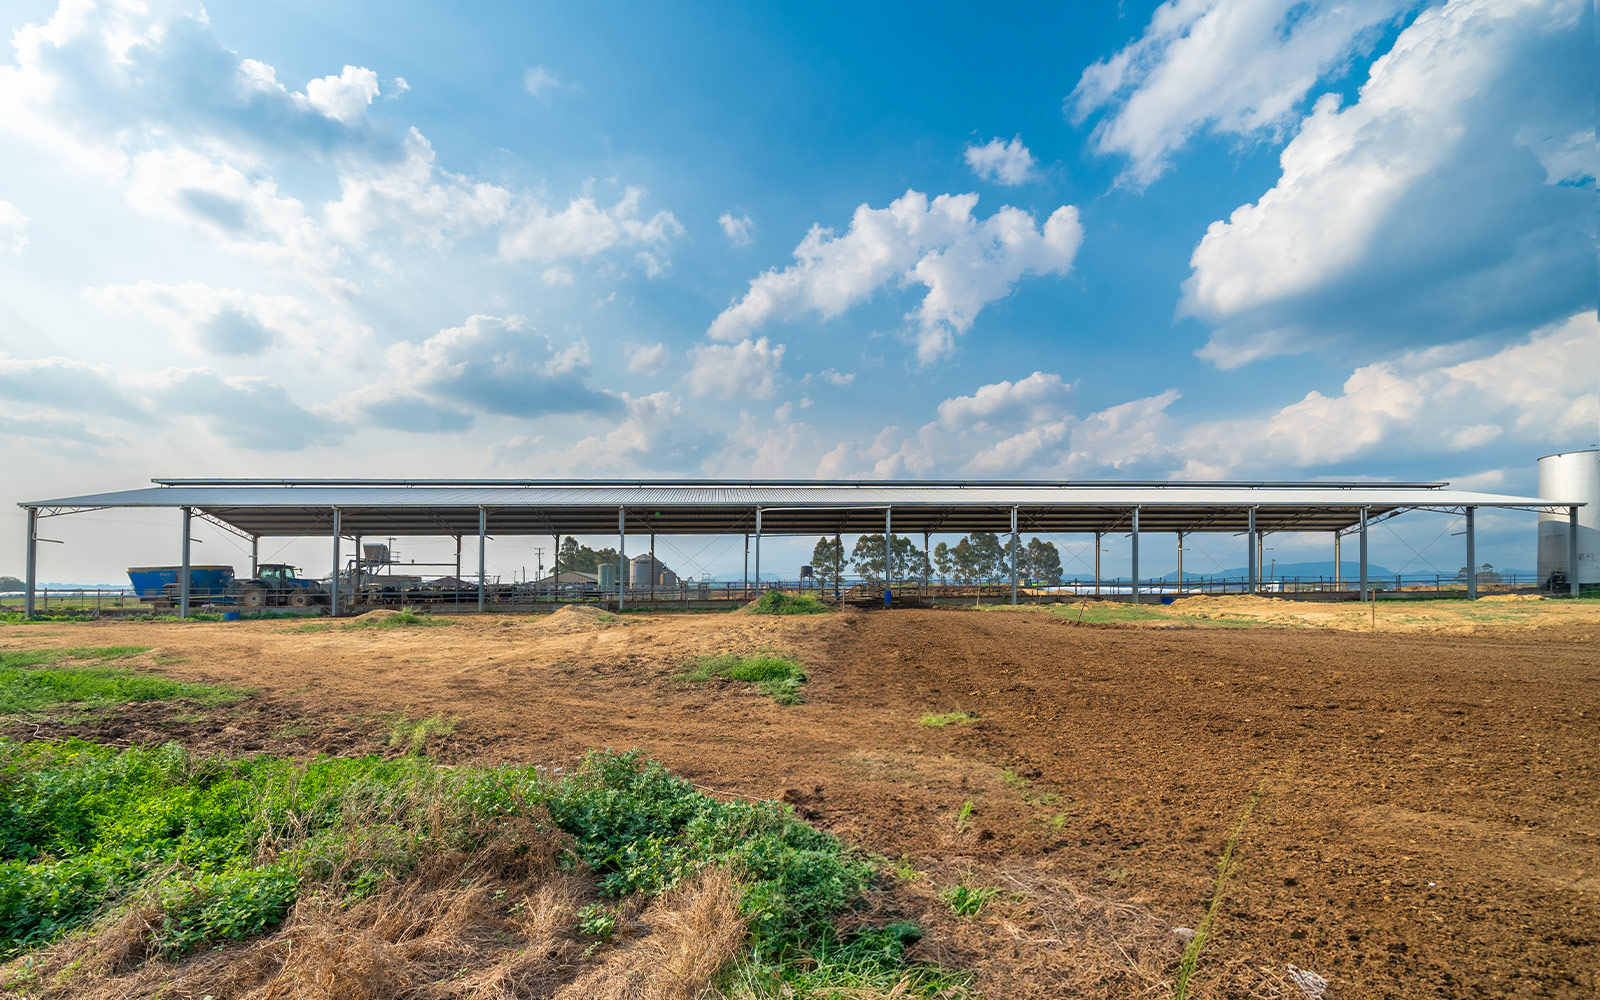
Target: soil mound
[
  {"x": 580, "y": 618},
  {"x": 376, "y": 614},
  {"x": 1508, "y": 598}
]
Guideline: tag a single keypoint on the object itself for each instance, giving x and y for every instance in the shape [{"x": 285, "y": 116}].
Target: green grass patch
[
  {"x": 938, "y": 719},
  {"x": 228, "y": 846},
  {"x": 776, "y": 602},
  {"x": 40, "y": 680},
  {"x": 778, "y": 677},
  {"x": 1107, "y": 612},
  {"x": 967, "y": 900},
  {"x": 414, "y": 734},
  {"x": 1225, "y": 869}
]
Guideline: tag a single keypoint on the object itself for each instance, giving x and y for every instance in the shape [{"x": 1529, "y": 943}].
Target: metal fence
[{"x": 499, "y": 596}]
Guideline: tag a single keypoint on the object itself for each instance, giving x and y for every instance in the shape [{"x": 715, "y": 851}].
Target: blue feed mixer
[{"x": 152, "y": 581}]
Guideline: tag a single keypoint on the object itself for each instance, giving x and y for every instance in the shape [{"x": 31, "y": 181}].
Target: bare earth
[{"x": 1429, "y": 823}]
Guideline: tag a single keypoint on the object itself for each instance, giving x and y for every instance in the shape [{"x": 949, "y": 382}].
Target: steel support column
[
  {"x": 255, "y": 556},
  {"x": 1253, "y": 556},
  {"x": 183, "y": 568},
  {"x": 333, "y": 581},
  {"x": 355, "y": 582},
  {"x": 32, "y": 562},
  {"x": 1097, "y": 564},
  {"x": 1013, "y": 555},
  {"x": 1472, "y": 555},
  {"x": 1363, "y": 553},
  {"x": 483, "y": 562},
  {"x": 838, "y": 564},
  {"x": 555, "y": 568},
  {"x": 888, "y": 557},
  {"x": 1338, "y": 567},
  {"x": 1136, "y": 555},
  {"x": 1180, "y": 562},
  {"x": 622, "y": 556},
  {"x": 758, "y": 548},
  {"x": 747, "y": 562},
  {"x": 1572, "y": 552},
  {"x": 927, "y": 563},
  {"x": 653, "y": 571}
]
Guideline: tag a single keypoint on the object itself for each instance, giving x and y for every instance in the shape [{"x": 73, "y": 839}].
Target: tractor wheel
[
  {"x": 300, "y": 599},
  {"x": 253, "y": 598}
]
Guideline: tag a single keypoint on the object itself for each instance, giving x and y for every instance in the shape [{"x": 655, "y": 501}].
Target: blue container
[
  {"x": 230, "y": 616},
  {"x": 204, "y": 581},
  {"x": 1168, "y": 598}
]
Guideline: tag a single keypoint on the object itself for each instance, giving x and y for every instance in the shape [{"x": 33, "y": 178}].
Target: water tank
[
  {"x": 1570, "y": 475},
  {"x": 608, "y": 576}
]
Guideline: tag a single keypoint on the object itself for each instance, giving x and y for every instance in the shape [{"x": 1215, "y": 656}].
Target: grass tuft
[
  {"x": 414, "y": 734},
  {"x": 1225, "y": 869},
  {"x": 776, "y": 602},
  {"x": 937, "y": 719},
  {"x": 778, "y": 677},
  {"x": 404, "y": 618},
  {"x": 966, "y": 900}
]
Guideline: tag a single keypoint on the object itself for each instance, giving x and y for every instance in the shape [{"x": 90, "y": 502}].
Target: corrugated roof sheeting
[{"x": 680, "y": 507}]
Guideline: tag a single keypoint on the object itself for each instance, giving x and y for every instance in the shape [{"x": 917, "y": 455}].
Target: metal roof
[{"x": 590, "y": 507}]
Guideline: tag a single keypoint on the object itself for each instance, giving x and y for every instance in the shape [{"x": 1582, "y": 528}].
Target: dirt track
[{"x": 1429, "y": 824}]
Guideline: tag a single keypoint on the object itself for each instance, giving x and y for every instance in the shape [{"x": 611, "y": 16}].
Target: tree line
[{"x": 980, "y": 557}]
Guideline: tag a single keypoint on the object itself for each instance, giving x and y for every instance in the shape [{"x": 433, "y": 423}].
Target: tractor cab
[{"x": 277, "y": 576}]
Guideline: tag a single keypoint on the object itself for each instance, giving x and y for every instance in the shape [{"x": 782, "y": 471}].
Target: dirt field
[{"x": 1429, "y": 823}]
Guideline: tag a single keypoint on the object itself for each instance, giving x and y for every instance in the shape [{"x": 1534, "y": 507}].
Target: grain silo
[{"x": 1570, "y": 475}]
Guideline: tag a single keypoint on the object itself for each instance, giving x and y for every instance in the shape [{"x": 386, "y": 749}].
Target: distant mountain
[{"x": 1312, "y": 570}]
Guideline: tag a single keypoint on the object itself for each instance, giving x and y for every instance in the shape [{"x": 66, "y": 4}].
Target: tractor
[{"x": 275, "y": 584}]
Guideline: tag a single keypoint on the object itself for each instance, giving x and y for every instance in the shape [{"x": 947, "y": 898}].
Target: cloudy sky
[{"x": 1207, "y": 239}]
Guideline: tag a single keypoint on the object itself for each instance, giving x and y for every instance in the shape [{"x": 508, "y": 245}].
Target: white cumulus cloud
[
  {"x": 1425, "y": 211},
  {"x": 1235, "y": 67},
  {"x": 345, "y": 97},
  {"x": 746, "y": 370},
  {"x": 584, "y": 229},
  {"x": 964, "y": 263},
  {"x": 648, "y": 359},
  {"x": 1003, "y": 162},
  {"x": 737, "y": 229}
]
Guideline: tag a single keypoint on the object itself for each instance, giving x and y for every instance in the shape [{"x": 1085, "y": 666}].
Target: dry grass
[
  {"x": 495, "y": 924},
  {"x": 1042, "y": 929},
  {"x": 690, "y": 935}
]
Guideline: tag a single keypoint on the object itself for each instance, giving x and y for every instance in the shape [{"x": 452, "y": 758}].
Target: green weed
[
  {"x": 964, "y": 815},
  {"x": 778, "y": 677},
  {"x": 776, "y": 602},
  {"x": 966, "y": 900},
  {"x": 1225, "y": 868},
  {"x": 597, "y": 920},
  {"x": 937, "y": 719}
]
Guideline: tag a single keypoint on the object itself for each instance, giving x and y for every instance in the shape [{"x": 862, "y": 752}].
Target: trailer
[{"x": 161, "y": 585}]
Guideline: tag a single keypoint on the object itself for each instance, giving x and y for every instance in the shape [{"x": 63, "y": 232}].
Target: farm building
[{"x": 354, "y": 509}]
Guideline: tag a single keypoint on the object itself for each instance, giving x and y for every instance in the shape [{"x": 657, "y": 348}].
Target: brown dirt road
[{"x": 1429, "y": 822}]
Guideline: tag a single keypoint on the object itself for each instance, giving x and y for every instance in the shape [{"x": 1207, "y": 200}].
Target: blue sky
[{"x": 1201, "y": 240}]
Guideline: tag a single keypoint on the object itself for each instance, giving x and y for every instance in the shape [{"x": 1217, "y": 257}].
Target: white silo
[{"x": 1574, "y": 476}]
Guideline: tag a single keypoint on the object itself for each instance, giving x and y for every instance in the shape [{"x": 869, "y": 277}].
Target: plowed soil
[{"x": 1428, "y": 826}]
